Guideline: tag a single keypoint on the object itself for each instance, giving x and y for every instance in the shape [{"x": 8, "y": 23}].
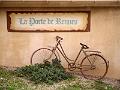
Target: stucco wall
[{"x": 16, "y": 48}]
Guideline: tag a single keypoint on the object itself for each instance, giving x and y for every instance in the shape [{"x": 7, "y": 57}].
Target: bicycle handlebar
[
  {"x": 84, "y": 46},
  {"x": 58, "y": 38}
]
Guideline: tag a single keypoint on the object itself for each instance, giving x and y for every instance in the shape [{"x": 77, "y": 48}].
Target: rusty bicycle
[{"x": 92, "y": 66}]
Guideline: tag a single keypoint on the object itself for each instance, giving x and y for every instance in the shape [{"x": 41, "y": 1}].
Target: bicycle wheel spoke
[
  {"x": 95, "y": 67},
  {"x": 41, "y": 55},
  {"x": 85, "y": 67},
  {"x": 92, "y": 59}
]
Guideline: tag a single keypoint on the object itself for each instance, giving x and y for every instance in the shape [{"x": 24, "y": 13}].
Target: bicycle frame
[{"x": 61, "y": 50}]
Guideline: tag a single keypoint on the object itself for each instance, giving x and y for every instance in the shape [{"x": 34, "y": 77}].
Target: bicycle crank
[{"x": 71, "y": 66}]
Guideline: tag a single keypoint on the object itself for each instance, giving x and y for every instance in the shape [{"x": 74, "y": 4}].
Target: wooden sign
[{"x": 48, "y": 21}]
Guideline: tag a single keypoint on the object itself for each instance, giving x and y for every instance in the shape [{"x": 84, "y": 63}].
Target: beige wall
[
  {"x": 16, "y": 48},
  {"x": 59, "y": 3}
]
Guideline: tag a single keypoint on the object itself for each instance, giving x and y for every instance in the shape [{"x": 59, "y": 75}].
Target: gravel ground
[
  {"x": 84, "y": 83},
  {"x": 111, "y": 81}
]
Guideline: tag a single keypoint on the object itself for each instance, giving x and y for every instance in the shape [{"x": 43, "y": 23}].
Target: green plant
[
  {"x": 44, "y": 73},
  {"x": 8, "y": 81}
]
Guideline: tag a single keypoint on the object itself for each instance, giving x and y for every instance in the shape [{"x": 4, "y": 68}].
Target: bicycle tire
[
  {"x": 94, "y": 70},
  {"x": 41, "y": 55}
]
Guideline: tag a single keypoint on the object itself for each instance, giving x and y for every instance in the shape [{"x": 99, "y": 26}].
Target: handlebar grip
[{"x": 59, "y": 38}]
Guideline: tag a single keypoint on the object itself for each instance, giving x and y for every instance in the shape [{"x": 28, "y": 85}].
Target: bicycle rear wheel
[
  {"x": 41, "y": 55},
  {"x": 94, "y": 67}
]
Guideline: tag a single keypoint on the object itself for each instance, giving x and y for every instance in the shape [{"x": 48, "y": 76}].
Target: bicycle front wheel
[
  {"x": 94, "y": 67},
  {"x": 41, "y": 55}
]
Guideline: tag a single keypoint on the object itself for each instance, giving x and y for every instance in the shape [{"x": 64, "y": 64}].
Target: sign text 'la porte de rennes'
[{"x": 48, "y": 21}]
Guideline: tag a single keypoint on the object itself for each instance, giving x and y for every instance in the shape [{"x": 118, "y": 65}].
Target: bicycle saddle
[{"x": 84, "y": 46}]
